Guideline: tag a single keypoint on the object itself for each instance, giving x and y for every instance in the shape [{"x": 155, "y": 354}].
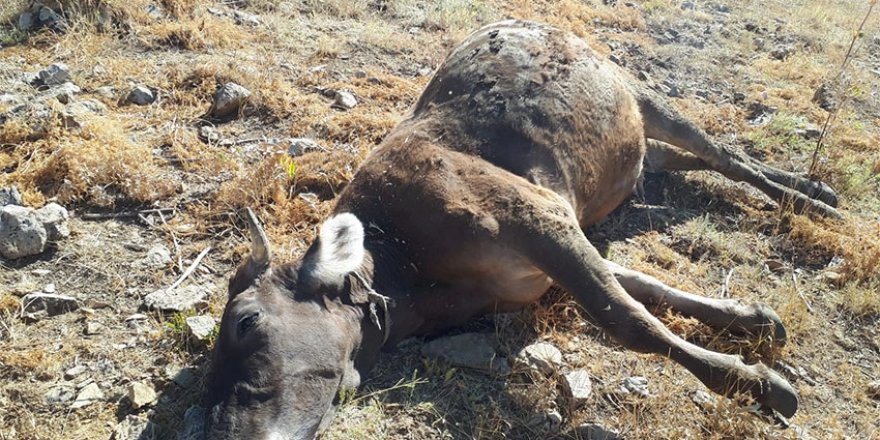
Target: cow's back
[{"x": 538, "y": 102}]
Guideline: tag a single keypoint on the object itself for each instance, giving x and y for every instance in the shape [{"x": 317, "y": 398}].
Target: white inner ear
[{"x": 341, "y": 248}]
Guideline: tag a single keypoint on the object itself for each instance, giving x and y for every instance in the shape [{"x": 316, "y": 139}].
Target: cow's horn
[{"x": 260, "y": 252}]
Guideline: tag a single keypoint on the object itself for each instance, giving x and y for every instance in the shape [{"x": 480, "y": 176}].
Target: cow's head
[{"x": 285, "y": 349}]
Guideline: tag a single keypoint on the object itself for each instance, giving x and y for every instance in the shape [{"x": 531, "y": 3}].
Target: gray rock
[
  {"x": 760, "y": 43},
  {"x": 141, "y": 394},
  {"x": 595, "y": 431},
  {"x": 672, "y": 90},
  {"x": 228, "y": 100},
  {"x": 209, "y": 134},
  {"x": 688, "y": 6},
  {"x": 73, "y": 372},
  {"x": 26, "y": 21},
  {"x": 781, "y": 52},
  {"x": 243, "y": 18},
  {"x": 94, "y": 328},
  {"x": 64, "y": 93},
  {"x": 809, "y": 132},
  {"x": 48, "y": 16},
  {"x": 158, "y": 256},
  {"x": 179, "y": 299},
  {"x": 703, "y": 399},
  {"x": 824, "y": 97},
  {"x": 577, "y": 386},
  {"x": 90, "y": 394},
  {"x": 21, "y": 232},
  {"x": 76, "y": 113},
  {"x": 722, "y": 8},
  {"x": 136, "y": 428},
  {"x": 183, "y": 377},
  {"x": 344, "y": 100},
  {"x": 85, "y": 106},
  {"x": 140, "y": 95},
  {"x": 54, "y": 75},
  {"x": 155, "y": 12},
  {"x": 474, "y": 351},
  {"x": 299, "y": 146},
  {"x": 54, "y": 219},
  {"x": 541, "y": 356},
  {"x": 10, "y": 196},
  {"x": 636, "y": 385},
  {"x": 60, "y": 394},
  {"x": 10, "y": 100},
  {"x": 200, "y": 327},
  {"x": 193, "y": 424},
  {"x": 50, "y": 303},
  {"x": 106, "y": 92}
]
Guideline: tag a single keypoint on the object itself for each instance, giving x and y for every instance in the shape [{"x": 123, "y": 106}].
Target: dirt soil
[{"x": 745, "y": 71}]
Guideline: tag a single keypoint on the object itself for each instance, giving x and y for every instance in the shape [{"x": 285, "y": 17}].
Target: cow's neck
[{"x": 386, "y": 281}]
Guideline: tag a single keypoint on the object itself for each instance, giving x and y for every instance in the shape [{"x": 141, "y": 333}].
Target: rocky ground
[{"x": 131, "y": 136}]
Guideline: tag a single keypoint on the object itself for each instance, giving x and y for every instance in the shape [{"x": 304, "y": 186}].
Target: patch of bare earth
[{"x": 745, "y": 71}]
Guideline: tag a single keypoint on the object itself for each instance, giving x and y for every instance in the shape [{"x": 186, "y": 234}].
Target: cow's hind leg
[
  {"x": 545, "y": 230},
  {"x": 663, "y": 123},
  {"x": 725, "y": 314}
]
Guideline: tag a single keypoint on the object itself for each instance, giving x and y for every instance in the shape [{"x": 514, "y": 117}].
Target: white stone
[
  {"x": 299, "y": 146},
  {"x": 94, "y": 328},
  {"x": 140, "y": 95},
  {"x": 577, "y": 386},
  {"x": 10, "y": 196},
  {"x": 344, "y": 100},
  {"x": 200, "y": 327},
  {"x": 228, "y": 100},
  {"x": 179, "y": 299},
  {"x": 158, "y": 256},
  {"x": 475, "y": 351},
  {"x": 52, "y": 304},
  {"x": 595, "y": 431},
  {"x": 243, "y": 18},
  {"x": 21, "y": 232},
  {"x": 136, "y": 428},
  {"x": 141, "y": 394},
  {"x": 635, "y": 384},
  {"x": 90, "y": 394},
  {"x": 540, "y": 356},
  {"x": 73, "y": 372},
  {"x": 54, "y": 218},
  {"x": 59, "y": 395}
]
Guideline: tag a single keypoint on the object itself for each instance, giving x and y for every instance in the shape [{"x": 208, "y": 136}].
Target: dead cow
[{"x": 475, "y": 203}]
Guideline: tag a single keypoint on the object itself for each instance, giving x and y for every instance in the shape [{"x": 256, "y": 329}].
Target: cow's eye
[{"x": 247, "y": 322}]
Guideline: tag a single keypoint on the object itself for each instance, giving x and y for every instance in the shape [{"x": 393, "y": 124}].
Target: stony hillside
[{"x": 133, "y": 133}]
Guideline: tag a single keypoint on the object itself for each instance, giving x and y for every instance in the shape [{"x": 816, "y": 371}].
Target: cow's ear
[
  {"x": 338, "y": 251},
  {"x": 257, "y": 263}
]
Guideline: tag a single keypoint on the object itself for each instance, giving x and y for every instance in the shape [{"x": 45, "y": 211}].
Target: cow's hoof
[
  {"x": 774, "y": 391},
  {"x": 771, "y": 324},
  {"x": 824, "y": 193},
  {"x": 761, "y": 320}
]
